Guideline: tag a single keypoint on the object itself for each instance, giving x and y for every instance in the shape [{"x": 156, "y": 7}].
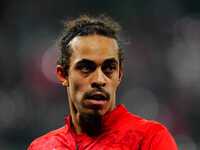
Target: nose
[{"x": 98, "y": 79}]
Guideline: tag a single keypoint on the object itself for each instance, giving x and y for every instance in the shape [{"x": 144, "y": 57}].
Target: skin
[{"x": 94, "y": 65}]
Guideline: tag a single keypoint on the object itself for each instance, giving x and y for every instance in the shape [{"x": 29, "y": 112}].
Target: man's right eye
[
  {"x": 85, "y": 69},
  {"x": 85, "y": 66}
]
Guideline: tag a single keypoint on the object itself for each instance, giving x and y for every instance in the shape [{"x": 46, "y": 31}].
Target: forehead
[{"x": 93, "y": 47}]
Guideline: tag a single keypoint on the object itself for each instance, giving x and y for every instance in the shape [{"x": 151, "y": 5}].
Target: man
[{"x": 90, "y": 67}]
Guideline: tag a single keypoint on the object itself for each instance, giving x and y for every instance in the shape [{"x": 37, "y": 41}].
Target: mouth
[{"x": 98, "y": 96}]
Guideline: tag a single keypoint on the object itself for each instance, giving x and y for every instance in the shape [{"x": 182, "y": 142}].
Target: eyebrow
[
  {"x": 110, "y": 61},
  {"x": 107, "y": 61},
  {"x": 85, "y": 61}
]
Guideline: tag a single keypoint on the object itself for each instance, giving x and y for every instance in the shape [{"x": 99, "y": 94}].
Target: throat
[{"x": 90, "y": 124}]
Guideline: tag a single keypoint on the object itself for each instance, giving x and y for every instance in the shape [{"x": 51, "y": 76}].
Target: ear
[
  {"x": 60, "y": 73},
  {"x": 120, "y": 74}
]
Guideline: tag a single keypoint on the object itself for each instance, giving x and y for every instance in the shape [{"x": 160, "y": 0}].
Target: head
[{"x": 90, "y": 64}]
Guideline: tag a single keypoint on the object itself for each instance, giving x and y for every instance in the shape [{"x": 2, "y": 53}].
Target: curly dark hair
[{"x": 85, "y": 25}]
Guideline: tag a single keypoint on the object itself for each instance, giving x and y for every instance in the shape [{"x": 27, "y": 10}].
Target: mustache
[{"x": 87, "y": 95}]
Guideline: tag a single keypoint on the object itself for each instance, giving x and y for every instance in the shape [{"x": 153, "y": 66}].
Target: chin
[
  {"x": 94, "y": 111},
  {"x": 101, "y": 110}
]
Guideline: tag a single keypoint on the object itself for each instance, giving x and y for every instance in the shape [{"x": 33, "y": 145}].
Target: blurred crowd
[{"x": 161, "y": 78}]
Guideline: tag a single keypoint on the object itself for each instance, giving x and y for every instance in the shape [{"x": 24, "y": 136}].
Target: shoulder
[
  {"x": 132, "y": 122},
  {"x": 158, "y": 137},
  {"x": 155, "y": 127},
  {"x": 139, "y": 122},
  {"x": 146, "y": 127},
  {"x": 48, "y": 140},
  {"x": 155, "y": 135}
]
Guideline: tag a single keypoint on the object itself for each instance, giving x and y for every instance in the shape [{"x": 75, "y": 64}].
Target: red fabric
[{"x": 121, "y": 131}]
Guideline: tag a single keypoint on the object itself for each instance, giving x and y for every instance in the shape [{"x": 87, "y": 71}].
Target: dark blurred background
[{"x": 161, "y": 74}]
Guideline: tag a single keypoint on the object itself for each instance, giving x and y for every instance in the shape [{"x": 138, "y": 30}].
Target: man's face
[{"x": 94, "y": 74}]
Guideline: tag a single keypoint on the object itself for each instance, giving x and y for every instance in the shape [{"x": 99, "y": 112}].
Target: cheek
[
  {"x": 115, "y": 82},
  {"x": 75, "y": 91},
  {"x": 112, "y": 88},
  {"x": 77, "y": 85}
]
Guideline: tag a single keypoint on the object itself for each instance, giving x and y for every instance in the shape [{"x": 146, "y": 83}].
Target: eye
[
  {"x": 85, "y": 68},
  {"x": 109, "y": 68}
]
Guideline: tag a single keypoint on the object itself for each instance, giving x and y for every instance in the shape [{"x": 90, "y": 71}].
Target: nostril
[{"x": 97, "y": 85}]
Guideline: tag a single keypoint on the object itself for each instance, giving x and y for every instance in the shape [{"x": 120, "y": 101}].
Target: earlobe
[
  {"x": 60, "y": 73},
  {"x": 65, "y": 83}
]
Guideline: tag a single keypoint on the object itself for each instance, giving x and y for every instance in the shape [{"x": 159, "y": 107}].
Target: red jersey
[{"x": 121, "y": 130}]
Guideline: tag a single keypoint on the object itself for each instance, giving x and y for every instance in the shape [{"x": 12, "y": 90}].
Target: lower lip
[{"x": 96, "y": 102}]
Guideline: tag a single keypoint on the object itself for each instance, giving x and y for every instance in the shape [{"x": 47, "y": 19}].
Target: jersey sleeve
[
  {"x": 158, "y": 138},
  {"x": 163, "y": 141},
  {"x": 48, "y": 143},
  {"x": 42, "y": 144}
]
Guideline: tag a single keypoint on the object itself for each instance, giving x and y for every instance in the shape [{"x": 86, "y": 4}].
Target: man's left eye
[{"x": 109, "y": 69}]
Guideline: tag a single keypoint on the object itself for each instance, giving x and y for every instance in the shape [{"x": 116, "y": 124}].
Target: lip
[{"x": 95, "y": 102}]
